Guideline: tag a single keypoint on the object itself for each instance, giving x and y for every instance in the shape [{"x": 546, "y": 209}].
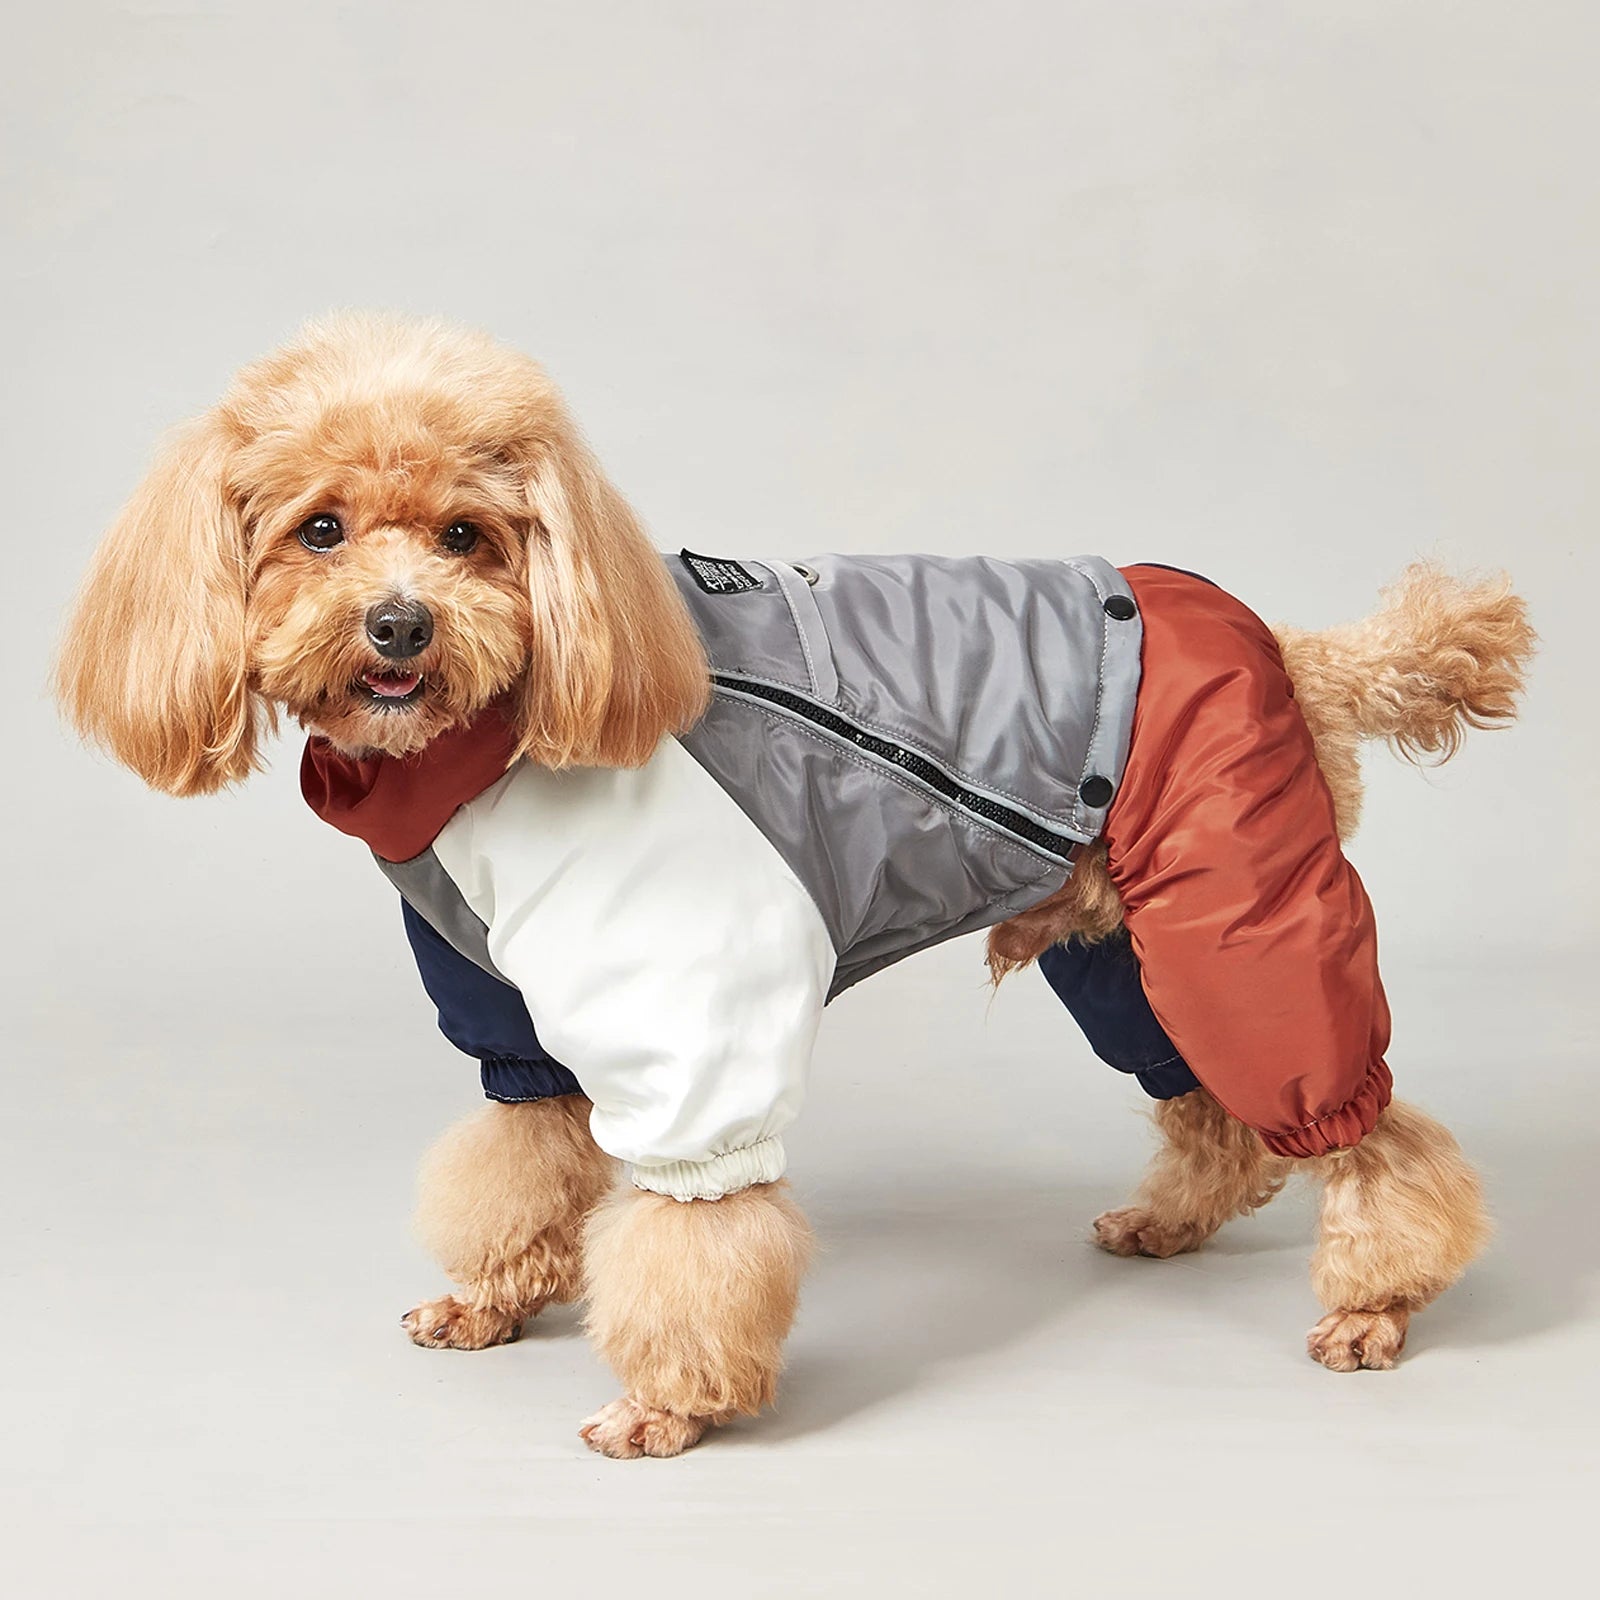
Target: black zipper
[{"x": 917, "y": 766}]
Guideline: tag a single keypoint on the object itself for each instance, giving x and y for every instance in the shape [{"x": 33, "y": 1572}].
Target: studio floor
[{"x": 207, "y": 1392}]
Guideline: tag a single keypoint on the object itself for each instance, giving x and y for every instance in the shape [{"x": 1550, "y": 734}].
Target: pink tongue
[{"x": 394, "y": 687}]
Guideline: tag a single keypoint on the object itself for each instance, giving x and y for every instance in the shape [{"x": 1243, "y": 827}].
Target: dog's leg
[
  {"x": 1210, "y": 1167},
  {"x": 501, "y": 1202},
  {"x": 1402, "y": 1215},
  {"x": 690, "y": 1302}
]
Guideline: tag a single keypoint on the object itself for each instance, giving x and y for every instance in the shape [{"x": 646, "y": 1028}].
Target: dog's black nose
[{"x": 400, "y": 629}]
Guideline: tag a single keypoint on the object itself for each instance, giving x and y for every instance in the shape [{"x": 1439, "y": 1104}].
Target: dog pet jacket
[{"x": 898, "y": 750}]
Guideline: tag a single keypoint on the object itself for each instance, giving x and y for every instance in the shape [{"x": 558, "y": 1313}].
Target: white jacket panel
[{"x": 666, "y": 953}]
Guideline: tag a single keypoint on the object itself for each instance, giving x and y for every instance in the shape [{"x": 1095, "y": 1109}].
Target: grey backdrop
[{"x": 1288, "y": 292}]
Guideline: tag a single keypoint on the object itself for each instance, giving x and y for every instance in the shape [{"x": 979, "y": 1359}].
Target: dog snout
[{"x": 399, "y": 629}]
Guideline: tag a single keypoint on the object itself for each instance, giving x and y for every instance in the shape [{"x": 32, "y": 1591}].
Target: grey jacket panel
[
  {"x": 892, "y": 868},
  {"x": 431, "y": 891},
  {"x": 971, "y": 700}
]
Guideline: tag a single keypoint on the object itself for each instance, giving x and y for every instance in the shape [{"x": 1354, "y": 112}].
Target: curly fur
[
  {"x": 691, "y": 1300},
  {"x": 1402, "y": 1215},
  {"x": 1087, "y": 907},
  {"x": 1439, "y": 656},
  {"x": 501, "y": 1202},
  {"x": 153, "y": 665},
  {"x": 1402, "y": 1218},
  {"x": 1210, "y": 1168}
]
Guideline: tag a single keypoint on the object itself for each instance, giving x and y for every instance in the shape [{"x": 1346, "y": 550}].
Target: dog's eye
[
  {"x": 321, "y": 532},
  {"x": 459, "y": 537}
]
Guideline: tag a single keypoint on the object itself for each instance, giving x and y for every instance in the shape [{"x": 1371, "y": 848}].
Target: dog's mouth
[{"x": 390, "y": 689}]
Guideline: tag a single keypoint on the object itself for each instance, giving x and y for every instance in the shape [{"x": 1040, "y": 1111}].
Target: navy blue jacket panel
[
  {"x": 1100, "y": 985},
  {"x": 485, "y": 1018}
]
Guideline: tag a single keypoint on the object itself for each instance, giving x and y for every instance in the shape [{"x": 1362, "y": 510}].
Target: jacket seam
[
  {"x": 975, "y": 825},
  {"x": 1099, "y": 687},
  {"x": 971, "y": 779},
  {"x": 528, "y": 1099},
  {"x": 800, "y": 632},
  {"x": 889, "y": 775},
  {"x": 1071, "y": 814},
  {"x": 888, "y": 730},
  {"x": 1338, "y": 1110}
]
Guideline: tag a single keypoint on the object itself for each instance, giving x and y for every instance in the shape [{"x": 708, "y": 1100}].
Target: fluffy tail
[{"x": 1439, "y": 656}]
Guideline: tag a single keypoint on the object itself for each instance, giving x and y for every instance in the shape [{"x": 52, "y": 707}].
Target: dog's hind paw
[
  {"x": 448, "y": 1324},
  {"x": 1132, "y": 1231},
  {"x": 626, "y": 1430},
  {"x": 1347, "y": 1341}
]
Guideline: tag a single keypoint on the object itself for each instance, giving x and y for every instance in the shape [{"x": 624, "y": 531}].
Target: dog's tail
[{"x": 1439, "y": 656}]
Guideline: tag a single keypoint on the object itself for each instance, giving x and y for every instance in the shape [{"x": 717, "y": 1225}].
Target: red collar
[{"x": 396, "y": 806}]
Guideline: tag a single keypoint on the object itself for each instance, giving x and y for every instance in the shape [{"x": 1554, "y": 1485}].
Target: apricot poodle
[{"x": 647, "y": 814}]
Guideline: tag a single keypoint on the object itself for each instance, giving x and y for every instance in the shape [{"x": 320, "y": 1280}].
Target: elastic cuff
[
  {"x": 721, "y": 1175},
  {"x": 1166, "y": 1080},
  {"x": 514, "y": 1079},
  {"x": 1340, "y": 1129}
]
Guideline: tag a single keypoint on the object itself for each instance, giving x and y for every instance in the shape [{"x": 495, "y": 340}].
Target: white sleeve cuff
[{"x": 763, "y": 1162}]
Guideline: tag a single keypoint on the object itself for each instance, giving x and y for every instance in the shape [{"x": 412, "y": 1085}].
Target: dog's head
[{"x": 380, "y": 529}]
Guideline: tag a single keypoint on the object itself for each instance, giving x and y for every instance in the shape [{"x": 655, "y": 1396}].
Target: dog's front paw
[
  {"x": 1132, "y": 1231},
  {"x": 447, "y": 1324},
  {"x": 625, "y": 1430},
  {"x": 1347, "y": 1341}
]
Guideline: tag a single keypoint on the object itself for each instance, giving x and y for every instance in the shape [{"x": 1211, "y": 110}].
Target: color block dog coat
[{"x": 898, "y": 750}]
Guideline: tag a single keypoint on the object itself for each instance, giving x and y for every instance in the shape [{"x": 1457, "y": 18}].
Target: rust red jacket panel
[{"x": 1256, "y": 938}]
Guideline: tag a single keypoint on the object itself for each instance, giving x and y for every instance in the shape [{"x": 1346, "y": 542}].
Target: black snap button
[
  {"x": 1095, "y": 792},
  {"x": 1120, "y": 608}
]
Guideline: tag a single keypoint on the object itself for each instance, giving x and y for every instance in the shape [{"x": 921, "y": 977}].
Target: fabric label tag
[{"x": 716, "y": 575}]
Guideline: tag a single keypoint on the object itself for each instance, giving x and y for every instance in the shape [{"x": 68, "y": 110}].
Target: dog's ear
[
  {"x": 152, "y": 665},
  {"x": 617, "y": 662}
]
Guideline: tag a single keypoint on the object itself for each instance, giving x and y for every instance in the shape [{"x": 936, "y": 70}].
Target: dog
[{"x": 392, "y": 531}]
